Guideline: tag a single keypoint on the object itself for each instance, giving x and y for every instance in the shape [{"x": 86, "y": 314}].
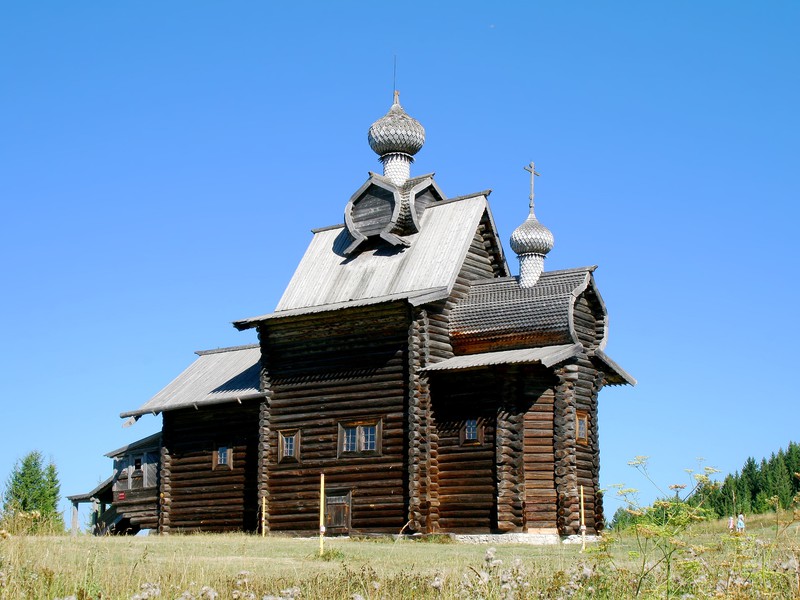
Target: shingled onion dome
[
  {"x": 531, "y": 241},
  {"x": 396, "y": 138}
]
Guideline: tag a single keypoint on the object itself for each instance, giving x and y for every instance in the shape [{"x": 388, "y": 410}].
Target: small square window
[
  {"x": 223, "y": 458},
  {"x": 289, "y": 445},
  {"x": 471, "y": 433},
  {"x": 360, "y": 438},
  {"x": 582, "y": 427}
]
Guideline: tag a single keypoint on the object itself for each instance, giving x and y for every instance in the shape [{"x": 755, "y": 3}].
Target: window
[
  {"x": 582, "y": 427},
  {"x": 361, "y": 437},
  {"x": 137, "y": 463},
  {"x": 471, "y": 433},
  {"x": 289, "y": 445},
  {"x": 223, "y": 458}
]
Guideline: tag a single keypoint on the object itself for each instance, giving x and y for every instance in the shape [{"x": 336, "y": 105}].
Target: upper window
[
  {"x": 223, "y": 458},
  {"x": 471, "y": 433},
  {"x": 582, "y": 427},
  {"x": 289, "y": 445},
  {"x": 360, "y": 437}
]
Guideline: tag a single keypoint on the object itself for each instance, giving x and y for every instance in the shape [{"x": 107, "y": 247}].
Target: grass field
[{"x": 706, "y": 562}]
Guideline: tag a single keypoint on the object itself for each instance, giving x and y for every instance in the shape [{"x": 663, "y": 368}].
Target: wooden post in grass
[
  {"x": 321, "y": 513},
  {"x": 263, "y": 516},
  {"x": 583, "y": 524}
]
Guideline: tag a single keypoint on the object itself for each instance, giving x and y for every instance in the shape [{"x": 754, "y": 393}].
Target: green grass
[{"x": 754, "y": 565}]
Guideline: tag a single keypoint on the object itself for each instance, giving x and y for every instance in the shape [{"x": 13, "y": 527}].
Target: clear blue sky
[{"x": 161, "y": 165}]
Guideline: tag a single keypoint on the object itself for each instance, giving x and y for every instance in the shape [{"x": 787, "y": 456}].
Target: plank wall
[
  {"x": 330, "y": 369},
  {"x": 198, "y": 494}
]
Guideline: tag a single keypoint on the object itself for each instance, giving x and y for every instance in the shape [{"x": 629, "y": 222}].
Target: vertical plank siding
[
  {"x": 201, "y": 495},
  {"x": 324, "y": 371}
]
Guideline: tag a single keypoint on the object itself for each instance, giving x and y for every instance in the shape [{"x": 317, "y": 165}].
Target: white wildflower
[
  {"x": 437, "y": 583},
  {"x": 208, "y": 593}
]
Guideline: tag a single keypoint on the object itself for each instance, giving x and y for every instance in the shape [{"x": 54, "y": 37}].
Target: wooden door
[{"x": 337, "y": 512}]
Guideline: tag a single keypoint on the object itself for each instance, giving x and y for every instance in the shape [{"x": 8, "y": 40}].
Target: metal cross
[{"x": 534, "y": 173}]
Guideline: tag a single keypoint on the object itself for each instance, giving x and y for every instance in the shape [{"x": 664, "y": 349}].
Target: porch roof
[{"x": 547, "y": 356}]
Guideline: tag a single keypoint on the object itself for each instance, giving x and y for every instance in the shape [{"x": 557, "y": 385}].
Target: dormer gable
[{"x": 382, "y": 210}]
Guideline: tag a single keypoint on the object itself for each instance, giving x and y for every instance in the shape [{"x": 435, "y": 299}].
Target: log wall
[
  {"x": 199, "y": 495},
  {"x": 326, "y": 370},
  {"x": 577, "y": 464},
  {"x": 589, "y": 320},
  {"x": 540, "y": 489},
  {"x": 466, "y": 472}
]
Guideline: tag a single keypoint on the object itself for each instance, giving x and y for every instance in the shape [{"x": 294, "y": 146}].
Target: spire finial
[
  {"x": 531, "y": 168},
  {"x": 396, "y": 97}
]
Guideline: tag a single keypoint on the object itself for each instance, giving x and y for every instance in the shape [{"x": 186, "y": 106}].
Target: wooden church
[{"x": 435, "y": 391}]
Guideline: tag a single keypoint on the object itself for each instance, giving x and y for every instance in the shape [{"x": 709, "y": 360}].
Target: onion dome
[
  {"x": 396, "y": 132},
  {"x": 531, "y": 241},
  {"x": 532, "y": 237}
]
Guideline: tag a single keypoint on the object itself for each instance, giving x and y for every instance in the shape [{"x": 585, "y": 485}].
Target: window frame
[
  {"x": 478, "y": 439},
  {"x": 582, "y": 416},
  {"x": 359, "y": 427},
  {"x": 228, "y": 463},
  {"x": 294, "y": 435}
]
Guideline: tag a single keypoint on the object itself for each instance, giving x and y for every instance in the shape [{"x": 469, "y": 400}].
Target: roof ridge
[
  {"x": 590, "y": 268},
  {"x": 228, "y": 349}
]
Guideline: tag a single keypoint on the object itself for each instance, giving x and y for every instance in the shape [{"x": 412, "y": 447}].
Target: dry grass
[{"x": 242, "y": 566}]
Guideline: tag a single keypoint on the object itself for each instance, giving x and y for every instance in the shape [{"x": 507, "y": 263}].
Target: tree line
[{"x": 758, "y": 488}]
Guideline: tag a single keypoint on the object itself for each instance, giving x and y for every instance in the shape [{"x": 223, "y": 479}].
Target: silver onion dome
[
  {"x": 396, "y": 132},
  {"x": 532, "y": 237}
]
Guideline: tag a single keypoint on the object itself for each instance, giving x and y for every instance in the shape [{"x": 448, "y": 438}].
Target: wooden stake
[{"x": 321, "y": 513}]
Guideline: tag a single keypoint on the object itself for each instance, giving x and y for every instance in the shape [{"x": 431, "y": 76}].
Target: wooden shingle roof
[
  {"x": 327, "y": 276},
  {"x": 542, "y": 314},
  {"x": 217, "y": 376}
]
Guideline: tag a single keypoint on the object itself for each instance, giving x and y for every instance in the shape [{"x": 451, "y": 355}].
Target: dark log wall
[
  {"x": 325, "y": 370},
  {"x": 199, "y": 495},
  {"x": 423, "y": 442},
  {"x": 589, "y": 320},
  {"x": 509, "y": 455},
  {"x": 577, "y": 464},
  {"x": 540, "y": 490},
  {"x": 139, "y": 506},
  {"x": 466, "y": 472}
]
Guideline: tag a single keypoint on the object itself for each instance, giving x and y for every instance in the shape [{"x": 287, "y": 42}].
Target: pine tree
[{"x": 33, "y": 487}]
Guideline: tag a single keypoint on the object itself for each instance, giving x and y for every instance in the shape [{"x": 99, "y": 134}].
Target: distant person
[
  {"x": 730, "y": 524},
  {"x": 740, "y": 524}
]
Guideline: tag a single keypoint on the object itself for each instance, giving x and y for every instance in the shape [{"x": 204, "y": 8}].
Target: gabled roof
[
  {"x": 151, "y": 441},
  {"x": 541, "y": 315},
  {"x": 326, "y": 276},
  {"x": 217, "y": 376}
]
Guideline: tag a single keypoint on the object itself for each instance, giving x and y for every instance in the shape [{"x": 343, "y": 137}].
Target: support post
[
  {"x": 74, "y": 517},
  {"x": 321, "y": 513}
]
